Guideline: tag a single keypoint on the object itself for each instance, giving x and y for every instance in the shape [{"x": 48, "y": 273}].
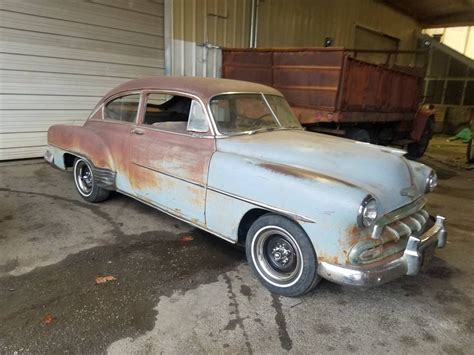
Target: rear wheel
[
  {"x": 281, "y": 256},
  {"x": 85, "y": 182},
  {"x": 417, "y": 149}
]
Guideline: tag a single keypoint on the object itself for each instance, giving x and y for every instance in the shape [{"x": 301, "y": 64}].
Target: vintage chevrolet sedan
[{"x": 229, "y": 157}]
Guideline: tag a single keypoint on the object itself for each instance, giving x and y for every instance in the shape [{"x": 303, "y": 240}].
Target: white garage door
[{"x": 58, "y": 57}]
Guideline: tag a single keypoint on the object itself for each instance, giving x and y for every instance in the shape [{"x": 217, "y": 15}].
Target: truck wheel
[
  {"x": 359, "y": 134},
  {"x": 281, "y": 255},
  {"x": 417, "y": 149},
  {"x": 470, "y": 152},
  {"x": 85, "y": 183}
]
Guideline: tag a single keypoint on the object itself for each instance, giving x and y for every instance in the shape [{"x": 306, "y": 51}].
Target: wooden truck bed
[{"x": 328, "y": 84}]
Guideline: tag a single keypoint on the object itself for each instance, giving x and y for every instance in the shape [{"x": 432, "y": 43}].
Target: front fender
[{"x": 324, "y": 206}]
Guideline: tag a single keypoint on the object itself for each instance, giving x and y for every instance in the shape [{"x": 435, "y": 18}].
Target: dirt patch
[{"x": 89, "y": 317}]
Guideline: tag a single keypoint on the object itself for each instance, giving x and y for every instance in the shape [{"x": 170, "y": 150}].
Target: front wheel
[
  {"x": 86, "y": 184},
  {"x": 281, "y": 256}
]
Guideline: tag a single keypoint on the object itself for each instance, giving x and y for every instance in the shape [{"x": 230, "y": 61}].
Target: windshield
[{"x": 249, "y": 113}]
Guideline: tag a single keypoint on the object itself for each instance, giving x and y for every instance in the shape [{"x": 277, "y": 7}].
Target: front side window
[
  {"x": 248, "y": 113},
  {"x": 175, "y": 113},
  {"x": 123, "y": 108}
]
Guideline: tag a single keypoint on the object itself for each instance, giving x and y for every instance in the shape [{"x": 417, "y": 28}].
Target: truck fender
[{"x": 420, "y": 122}]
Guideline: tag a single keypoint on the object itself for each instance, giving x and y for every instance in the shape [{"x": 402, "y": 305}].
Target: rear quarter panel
[{"x": 83, "y": 141}]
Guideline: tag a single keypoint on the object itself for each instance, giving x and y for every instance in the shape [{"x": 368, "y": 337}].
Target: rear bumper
[{"x": 409, "y": 262}]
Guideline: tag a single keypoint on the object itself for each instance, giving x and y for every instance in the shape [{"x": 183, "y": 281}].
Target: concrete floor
[{"x": 198, "y": 296}]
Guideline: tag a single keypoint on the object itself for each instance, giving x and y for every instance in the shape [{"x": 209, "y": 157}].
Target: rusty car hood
[{"x": 380, "y": 171}]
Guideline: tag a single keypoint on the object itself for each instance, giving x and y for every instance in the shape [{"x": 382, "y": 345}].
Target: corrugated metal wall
[
  {"x": 281, "y": 23},
  {"x": 198, "y": 26},
  {"x": 58, "y": 57},
  {"x": 301, "y": 23}
]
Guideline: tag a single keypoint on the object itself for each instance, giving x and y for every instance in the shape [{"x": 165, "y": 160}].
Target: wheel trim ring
[
  {"x": 261, "y": 264},
  {"x": 80, "y": 164}
]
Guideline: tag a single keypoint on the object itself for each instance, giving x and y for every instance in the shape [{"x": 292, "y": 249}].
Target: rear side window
[{"x": 124, "y": 108}]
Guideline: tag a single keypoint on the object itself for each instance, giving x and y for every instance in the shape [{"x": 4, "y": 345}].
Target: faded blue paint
[{"x": 319, "y": 178}]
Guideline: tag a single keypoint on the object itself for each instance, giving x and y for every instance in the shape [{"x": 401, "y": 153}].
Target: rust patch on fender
[
  {"x": 331, "y": 259},
  {"x": 303, "y": 174}
]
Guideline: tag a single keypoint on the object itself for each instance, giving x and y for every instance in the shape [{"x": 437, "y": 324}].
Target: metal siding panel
[
  {"x": 74, "y": 66},
  {"x": 24, "y": 121},
  {"x": 26, "y": 22},
  {"x": 87, "y": 12},
  {"x": 287, "y": 24},
  {"x": 21, "y": 82},
  {"x": 23, "y": 42},
  {"x": 216, "y": 22},
  {"x": 47, "y": 102},
  {"x": 59, "y": 57}
]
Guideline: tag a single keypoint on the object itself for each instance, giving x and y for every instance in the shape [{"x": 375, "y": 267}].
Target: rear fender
[{"x": 83, "y": 142}]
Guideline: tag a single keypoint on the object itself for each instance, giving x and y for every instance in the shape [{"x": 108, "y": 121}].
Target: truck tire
[
  {"x": 281, "y": 255},
  {"x": 359, "y": 134},
  {"x": 417, "y": 149}
]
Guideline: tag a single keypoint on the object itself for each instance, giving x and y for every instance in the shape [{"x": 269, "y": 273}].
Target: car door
[
  {"x": 113, "y": 123},
  {"x": 170, "y": 150}
]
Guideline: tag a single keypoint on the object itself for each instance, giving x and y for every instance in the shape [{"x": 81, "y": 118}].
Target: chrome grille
[{"x": 405, "y": 227}]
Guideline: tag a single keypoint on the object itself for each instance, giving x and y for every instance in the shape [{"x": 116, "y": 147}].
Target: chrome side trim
[
  {"x": 397, "y": 214},
  {"x": 170, "y": 175},
  {"x": 166, "y": 211},
  {"x": 290, "y": 214}
]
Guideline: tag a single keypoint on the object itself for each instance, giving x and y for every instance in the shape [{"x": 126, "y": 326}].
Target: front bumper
[{"x": 418, "y": 251}]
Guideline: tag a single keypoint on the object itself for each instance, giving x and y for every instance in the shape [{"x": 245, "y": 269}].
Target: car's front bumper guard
[{"x": 409, "y": 263}]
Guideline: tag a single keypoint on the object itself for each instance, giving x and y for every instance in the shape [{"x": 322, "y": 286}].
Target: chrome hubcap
[
  {"x": 277, "y": 256},
  {"x": 84, "y": 178}
]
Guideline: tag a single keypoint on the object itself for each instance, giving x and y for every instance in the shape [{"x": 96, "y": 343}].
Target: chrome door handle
[{"x": 137, "y": 131}]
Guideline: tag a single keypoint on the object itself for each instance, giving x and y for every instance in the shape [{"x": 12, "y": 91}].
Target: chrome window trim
[
  {"x": 223, "y": 135},
  {"x": 118, "y": 95},
  {"x": 209, "y": 134}
]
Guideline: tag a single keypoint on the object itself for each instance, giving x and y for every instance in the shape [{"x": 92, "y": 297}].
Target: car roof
[{"x": 204, "y": 88}]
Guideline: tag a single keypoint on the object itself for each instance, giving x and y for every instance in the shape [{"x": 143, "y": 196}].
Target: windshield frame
[{"x": 248, "y": 132}]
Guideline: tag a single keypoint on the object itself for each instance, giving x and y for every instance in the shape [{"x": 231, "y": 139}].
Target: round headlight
[
  {"x": 367, "y": 212},
  {"x": 431, "y": 182}
]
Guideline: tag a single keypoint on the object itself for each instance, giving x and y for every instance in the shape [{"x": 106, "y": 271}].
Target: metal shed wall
[
  {"x": 58, "y": 57},
  {"x": 305, "y": 23},
  {"x": 198, "y": 26}
]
